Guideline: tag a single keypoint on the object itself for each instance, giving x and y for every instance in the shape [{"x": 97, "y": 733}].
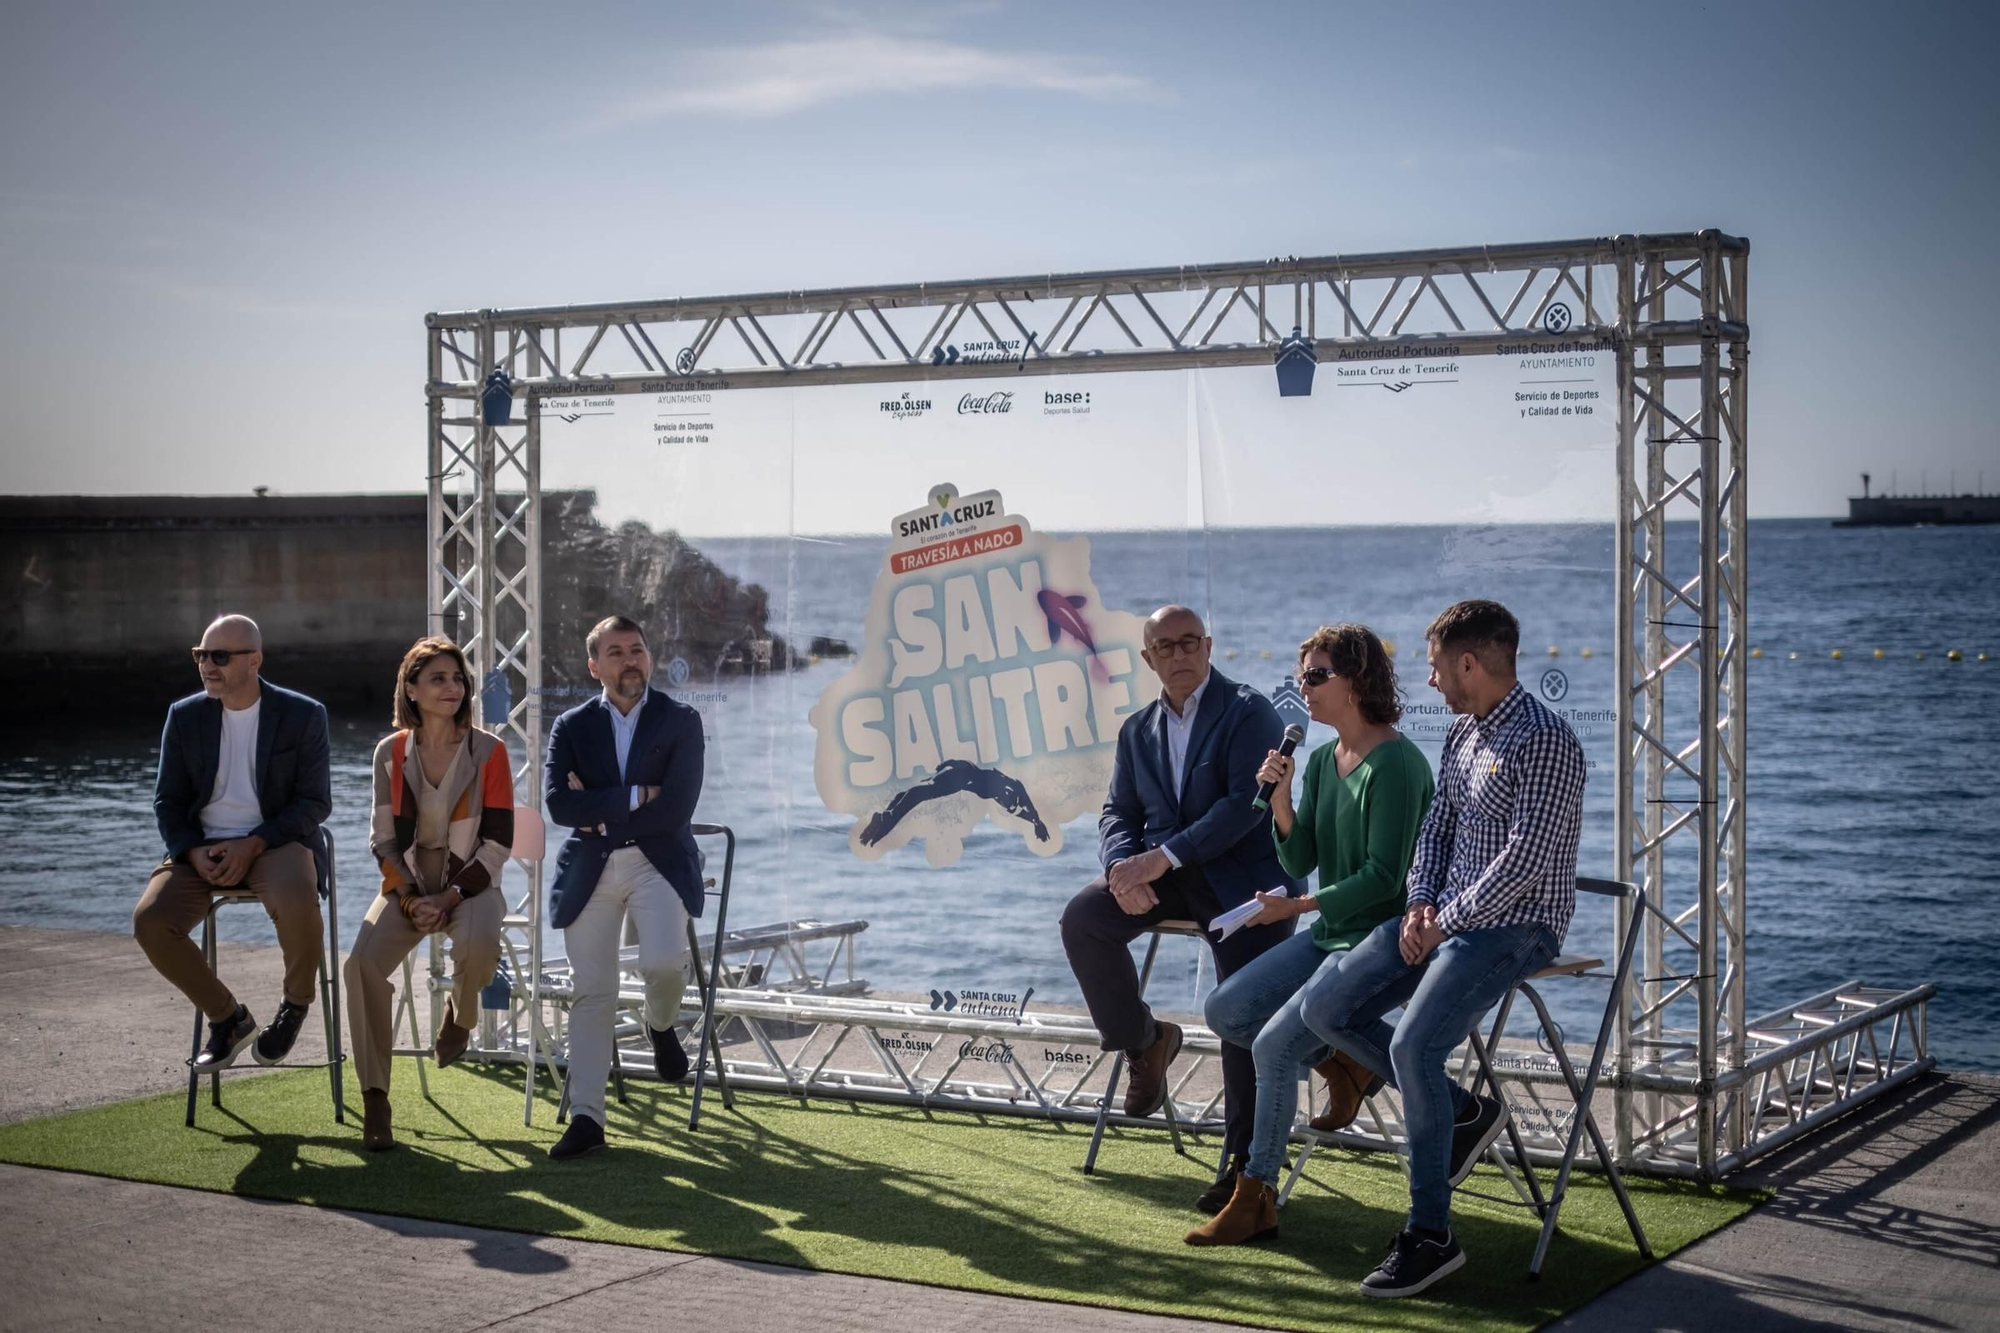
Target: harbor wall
[{"x": 105, "y": 594}]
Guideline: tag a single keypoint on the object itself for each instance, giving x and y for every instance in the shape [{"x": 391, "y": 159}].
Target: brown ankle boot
[
  {"x": 1251, "y": 1214},
  {"x": 375, "y": 1132},
  {"x": 451, "y": 1038},
  {"x": 1348, "y": 1082}
]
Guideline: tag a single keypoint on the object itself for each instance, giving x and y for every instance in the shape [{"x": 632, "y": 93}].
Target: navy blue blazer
[
  {"x": 666, "y": 753},
  {"x": 1213, "y": 825},
  {"x": 294, "y": 784}
]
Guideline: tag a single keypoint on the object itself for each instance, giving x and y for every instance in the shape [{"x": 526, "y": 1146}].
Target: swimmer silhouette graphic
[{"x": 954, "y": 776}]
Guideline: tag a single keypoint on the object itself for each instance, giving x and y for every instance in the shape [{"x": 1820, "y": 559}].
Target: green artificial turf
[{"x": 986, "y": 1203}]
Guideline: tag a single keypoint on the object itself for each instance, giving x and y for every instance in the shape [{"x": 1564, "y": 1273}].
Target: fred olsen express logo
[
  {"x": 1065, "y": 403},
  {"x": 905, "y": 408},
  {"x": 998, "y": 403}
]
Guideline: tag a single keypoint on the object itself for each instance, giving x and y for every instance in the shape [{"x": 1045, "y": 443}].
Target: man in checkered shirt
[{"x": 1491, "y": 892}]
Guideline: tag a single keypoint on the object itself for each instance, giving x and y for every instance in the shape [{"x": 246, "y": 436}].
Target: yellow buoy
[
  {"x": 1879, "y": 654},
  {"x": 1954, "y": 656},
  {"x": 1389, "y": 647},
  {"x": 1584, "y": 653},
  {"x": 1982, "y": 657},
  {"x": 1265, "y": 653},
  {"x": 1554, "y": 651},
  {"x": 1836, "y": 654},
  {"x": 1756, "y": 652},
  {"x": 1795, "y": 657},
  {"x": 1230, "y": 653}
]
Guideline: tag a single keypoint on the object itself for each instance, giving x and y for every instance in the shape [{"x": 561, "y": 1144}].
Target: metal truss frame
[{"x": 1700, "y": 1087}]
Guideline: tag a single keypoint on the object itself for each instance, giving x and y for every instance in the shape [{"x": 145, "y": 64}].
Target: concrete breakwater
[{"x": 105, "y": 594}]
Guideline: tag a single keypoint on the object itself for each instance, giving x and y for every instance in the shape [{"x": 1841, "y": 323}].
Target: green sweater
[{"x": 1360, "y": 832}]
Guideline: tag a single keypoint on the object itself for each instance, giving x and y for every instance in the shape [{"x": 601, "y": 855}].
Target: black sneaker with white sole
[
  {"x": 226, "y": 1040},
  {"x": 274, "y": 1043},
  {"x": 1414, "y": 1262},
  {"x": 1472, "y": 1136}
]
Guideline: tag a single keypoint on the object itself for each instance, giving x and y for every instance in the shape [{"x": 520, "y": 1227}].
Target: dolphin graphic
[{"x": 1065, "y": 616}]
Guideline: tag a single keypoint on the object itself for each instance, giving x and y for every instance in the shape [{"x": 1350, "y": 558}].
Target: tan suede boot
[
  {"x": 1251, "y": 1214},
  {"x": 451, "y": 1038},
  {"x": 1348, "y": 1082},
  {"x": 376, "y": 1134}
]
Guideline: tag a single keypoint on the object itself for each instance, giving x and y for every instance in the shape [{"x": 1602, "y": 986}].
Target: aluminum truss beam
[{"x": 1700, "y": 1088}]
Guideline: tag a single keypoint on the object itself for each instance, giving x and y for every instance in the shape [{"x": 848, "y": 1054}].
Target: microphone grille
[{"x": 1295, "y": 733}]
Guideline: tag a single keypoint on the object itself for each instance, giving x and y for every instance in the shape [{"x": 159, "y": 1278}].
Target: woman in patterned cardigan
[{"x": 443, "y": 828}]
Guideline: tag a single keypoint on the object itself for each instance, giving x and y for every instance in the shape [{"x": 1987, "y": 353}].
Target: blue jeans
[
  {"x": 1258, "y": 1008},
  {"x": 1445, "y": 995}
]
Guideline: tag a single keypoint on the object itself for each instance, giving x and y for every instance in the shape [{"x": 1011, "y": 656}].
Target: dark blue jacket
[
  {"x": 1213, "y": 825},
  {"x": 294, "y": 785},
  {"x": 666, "y": 753}
]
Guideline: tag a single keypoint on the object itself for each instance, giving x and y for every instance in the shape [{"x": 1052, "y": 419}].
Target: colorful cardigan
[{"x": 481, "y": 835}]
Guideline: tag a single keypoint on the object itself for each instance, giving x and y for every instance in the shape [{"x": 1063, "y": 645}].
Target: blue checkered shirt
[{"x": 1499, "y": 845}]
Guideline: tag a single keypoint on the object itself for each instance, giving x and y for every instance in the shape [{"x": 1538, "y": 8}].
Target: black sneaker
[
  {"x": 1471, "y": 1137},
  {"x": 584, "y": 1135},
  {"x": 1414, "y": 1262},
  {"x": 1219, "y": 1193},
  {"x": 226, "y": 1040},
  {"x": 274, "y": 1043},
  {"x": 669, "y": 1060}
]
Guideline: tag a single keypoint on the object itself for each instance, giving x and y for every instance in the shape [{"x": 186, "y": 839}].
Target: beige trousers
[
  {"x": 632, "y": 893},
  {"x": 176, "y": 899},
  {"x": 383, "y": 942}
]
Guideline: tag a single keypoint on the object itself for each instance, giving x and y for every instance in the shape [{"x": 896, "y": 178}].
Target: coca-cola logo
[{"x": 992, "y": 404}]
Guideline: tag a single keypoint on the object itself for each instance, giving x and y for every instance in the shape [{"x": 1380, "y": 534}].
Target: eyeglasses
[
  {"x": 1317, "y": 676},
  {"x": 219, "y": 656},
  {"x": 1170, "y": 648}
]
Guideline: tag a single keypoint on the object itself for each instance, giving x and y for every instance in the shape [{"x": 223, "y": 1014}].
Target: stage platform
[{"x": 1886, "y": 1220}]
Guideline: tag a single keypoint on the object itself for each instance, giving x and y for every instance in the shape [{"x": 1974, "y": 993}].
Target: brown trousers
[
  {"x": 384, "y": 941},
  {"x": 177, "y": 898}
]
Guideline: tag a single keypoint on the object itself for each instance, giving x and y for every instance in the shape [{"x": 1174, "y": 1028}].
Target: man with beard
[{"x": 624, "y": 772}]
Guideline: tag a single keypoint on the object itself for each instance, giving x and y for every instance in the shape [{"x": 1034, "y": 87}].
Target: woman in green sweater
[{"x": 1356, "y": 822}]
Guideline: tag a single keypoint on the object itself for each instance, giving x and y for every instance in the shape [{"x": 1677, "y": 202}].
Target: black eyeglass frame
[
  {"x": 1172, "y": 648},
  {"x": 219, "y": 656}
]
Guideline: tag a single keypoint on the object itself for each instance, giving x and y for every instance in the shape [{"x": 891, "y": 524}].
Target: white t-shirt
[{"x": 233, "y": 810}]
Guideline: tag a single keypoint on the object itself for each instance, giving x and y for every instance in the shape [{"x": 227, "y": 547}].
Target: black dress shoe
[
  {"x": 1215, "y": 1196},
  {"x": 669, "y": 1060},
  {"x": 226, "y": 1040},
  {"x": 274, "y": 1043},
  {"x": 584, "y": 1135}
]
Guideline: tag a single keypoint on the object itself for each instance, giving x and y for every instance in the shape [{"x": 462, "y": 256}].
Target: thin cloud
[{"x": 784, "y": 78}]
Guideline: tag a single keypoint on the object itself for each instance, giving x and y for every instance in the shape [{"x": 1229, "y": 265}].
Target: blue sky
[{"x": 221, "y": 225}]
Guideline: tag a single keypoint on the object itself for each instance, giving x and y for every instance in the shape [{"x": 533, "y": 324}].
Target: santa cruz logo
[{"x": 993, "y": 404}]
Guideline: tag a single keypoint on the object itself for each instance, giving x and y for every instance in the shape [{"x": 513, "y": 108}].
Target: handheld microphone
[{"x": 1293, "y": 735}]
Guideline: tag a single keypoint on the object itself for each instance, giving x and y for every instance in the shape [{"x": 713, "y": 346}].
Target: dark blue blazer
[
  {"x": 666, "y": 753},
  {"x": 1213, "y": 825},
  {"x": 294, "y": 785}
]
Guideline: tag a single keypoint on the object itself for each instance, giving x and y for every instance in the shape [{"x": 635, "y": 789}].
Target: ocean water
[{"x": 1871, "y": 812}]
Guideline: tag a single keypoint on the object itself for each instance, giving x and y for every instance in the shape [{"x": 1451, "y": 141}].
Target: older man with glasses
[
  {"x": 1181, "y": 837},
  {"x": 243, "y": 782}
]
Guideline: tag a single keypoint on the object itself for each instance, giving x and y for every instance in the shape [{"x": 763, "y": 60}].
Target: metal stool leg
[
  {"x": 208, "y": 954},
  {"x": 336, "y": 1057},
  {"x": 1117, "y": 1068},
  {"x": 409, "y": 1006},
  {"x": 194, "y": 1075}
]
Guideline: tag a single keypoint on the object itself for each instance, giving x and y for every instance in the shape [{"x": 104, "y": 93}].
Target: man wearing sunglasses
[
  {"x": 243, "y": 780},
  {"x": 1181, "y": 837}
]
